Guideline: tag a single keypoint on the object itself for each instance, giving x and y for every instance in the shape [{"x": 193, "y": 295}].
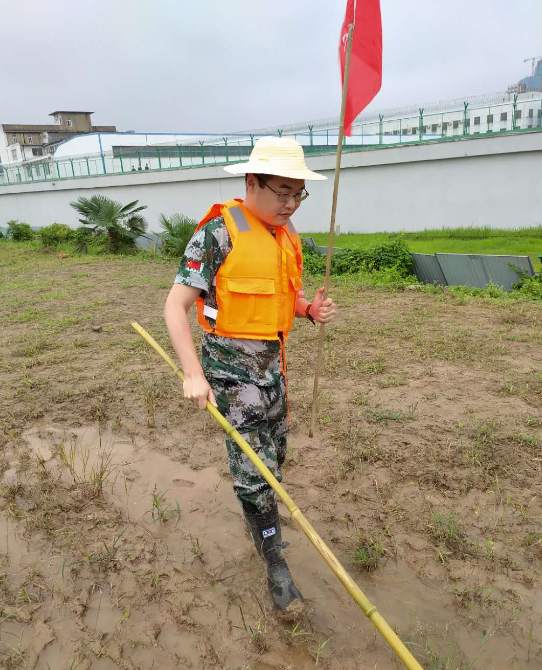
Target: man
[{"x": 243, "y": 269}]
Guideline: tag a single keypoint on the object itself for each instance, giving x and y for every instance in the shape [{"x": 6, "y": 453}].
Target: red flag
[{"x": 365, "y": 77}]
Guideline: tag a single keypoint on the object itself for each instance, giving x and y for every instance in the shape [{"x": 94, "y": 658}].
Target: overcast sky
[{"x": 226, "y": 65}]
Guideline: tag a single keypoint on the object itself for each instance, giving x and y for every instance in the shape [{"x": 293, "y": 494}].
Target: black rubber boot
[{"x": 265, "y": 530}]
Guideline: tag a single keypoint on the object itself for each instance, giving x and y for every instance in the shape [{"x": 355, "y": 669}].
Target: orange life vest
[{"x": 257, "y": 284}]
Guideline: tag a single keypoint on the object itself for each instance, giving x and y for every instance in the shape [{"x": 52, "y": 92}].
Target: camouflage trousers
[{"x": 260, "y": 414}]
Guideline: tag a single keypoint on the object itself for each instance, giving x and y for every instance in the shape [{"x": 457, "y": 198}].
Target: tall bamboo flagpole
[{"x": 322, "y": 332}]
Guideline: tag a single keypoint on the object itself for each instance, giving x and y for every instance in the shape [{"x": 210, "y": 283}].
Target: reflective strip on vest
[
  {"x": 211, "y": 312},
  {"x": 240, "y": 220}
]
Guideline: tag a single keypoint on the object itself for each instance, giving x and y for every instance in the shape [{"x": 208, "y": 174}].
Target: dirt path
[{"x": 122, "y": 545}]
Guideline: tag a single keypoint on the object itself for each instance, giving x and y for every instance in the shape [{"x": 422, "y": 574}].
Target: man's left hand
[{"x": 323, "y": 310}]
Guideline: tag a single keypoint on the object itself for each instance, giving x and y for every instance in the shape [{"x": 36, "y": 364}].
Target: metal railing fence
[{"x": 513, "y": 116}]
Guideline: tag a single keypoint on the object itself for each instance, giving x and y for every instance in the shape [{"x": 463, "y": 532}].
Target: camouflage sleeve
[{"x": 203, "y": 256}]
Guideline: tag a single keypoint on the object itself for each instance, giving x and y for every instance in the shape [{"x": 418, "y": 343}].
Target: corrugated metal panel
[
  {"x": 428, "y": 270},
  {"x": 311, "y": 244},
  {"x": 463, "y": 269},
  {"x": 480, "y": 269},
  {"x": 506, "y": 270}
]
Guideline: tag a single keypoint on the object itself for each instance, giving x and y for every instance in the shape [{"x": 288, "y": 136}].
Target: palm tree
[
  {"x": 120, "y": 224},
  {"x": 178, "y": 229}
]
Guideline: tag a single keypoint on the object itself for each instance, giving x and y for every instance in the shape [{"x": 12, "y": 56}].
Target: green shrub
[
  {"x": 392, "y": 255},
  {"x": 118, "y": 226},
  {"x": 530, "y": 287},
  {"x": 83, "y": 238},
  {"x": 1, "y": 234},
  {"x": 178, "y": 229},
  {"x": 55, "y": 234},
  {"x": 19, "y": 231},
  {"x": 313, "y": 262}
]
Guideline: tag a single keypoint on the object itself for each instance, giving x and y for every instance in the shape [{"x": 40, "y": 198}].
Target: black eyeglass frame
[{"x": 284, "y": 197}]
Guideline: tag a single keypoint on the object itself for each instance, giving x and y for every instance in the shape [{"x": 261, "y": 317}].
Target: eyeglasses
[{"x": 285, "y": 197}]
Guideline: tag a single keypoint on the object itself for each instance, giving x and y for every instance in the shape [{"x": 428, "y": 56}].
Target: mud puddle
[{"x": 173, "y": 581}]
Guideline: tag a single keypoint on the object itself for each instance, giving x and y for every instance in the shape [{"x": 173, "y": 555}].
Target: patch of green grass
[
  {"x": 81, "y": 343},
  {"x": 475, "y": 596},
  {"x": 445, "y": 529},
  {"x": 56, "y": 294},
  {"x": 33, "y": 345},
  {"x": 355, "y": 447},
  {"x": 392, "y": 381},
  {"x": 368, "y": 553},
  {"x": 384, "y": 414},
  {"x": 525, "y": 440},
  {"x": 361, "y": 399},
  {"x": 106, "y": 559},
  {"x": 256, "y": 633},
  {"x": 434, "y": 660},
  {"x": 374, "y": 367},
  {"x": 88, "y": 472},
  {"x": 60, "y": 323},
  {"x": 317, "y": 650},
  {"x": 29, "y": 315},
  {"x": 527, "y": 386},
  {"x": 195, "y": 548},
  {"x": 483, "y": 442},
  {"x": 161, "y": 510},
  {"x": 533, "y": 539},
  {"x": 459, "y": 344},
  {"x": 100, "y": 302},
  {"x": 134, "y": 344}
]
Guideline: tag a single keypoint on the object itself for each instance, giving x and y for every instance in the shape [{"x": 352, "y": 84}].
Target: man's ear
[{"x": 250, "y": 182}]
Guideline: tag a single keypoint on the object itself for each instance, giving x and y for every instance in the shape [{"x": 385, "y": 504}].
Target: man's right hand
[{"x": 197, "y": 388}]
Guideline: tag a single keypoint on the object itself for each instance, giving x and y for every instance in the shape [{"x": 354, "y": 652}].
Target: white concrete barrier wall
[{"x": 473, "y": 182}]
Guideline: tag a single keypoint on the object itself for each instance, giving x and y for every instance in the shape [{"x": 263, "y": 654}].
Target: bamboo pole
[
  {"x": 338, "y": 155},
  {"x": 325, "y": 552}
]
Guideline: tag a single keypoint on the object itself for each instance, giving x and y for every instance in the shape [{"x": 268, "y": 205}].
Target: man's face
[{"x": 276, "y": 201}]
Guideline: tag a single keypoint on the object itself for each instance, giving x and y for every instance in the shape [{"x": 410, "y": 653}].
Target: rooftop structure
[{"x": 23, "y": 142}]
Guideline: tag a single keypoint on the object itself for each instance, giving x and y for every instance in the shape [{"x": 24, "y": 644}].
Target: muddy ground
[{"x": 122, "y": 545}]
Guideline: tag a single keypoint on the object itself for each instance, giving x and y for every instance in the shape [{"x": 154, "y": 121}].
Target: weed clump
[
  {"x": 368, "y": 553},
  {"x": 445, "y": 529},
  {"x": 530, "y": 287},
  {"x": 161, "y": 510},
  {"x": 532, "y": 543},
  {"x": 89, "y": 474},
  {"x": 383, "y": 415},
  {"x": 355, "y": 446},
  {"x": 483, "y": 444},
  {"x": 256, "y": 633}
]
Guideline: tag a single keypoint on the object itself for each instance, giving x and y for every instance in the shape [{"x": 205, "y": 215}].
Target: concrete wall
[{"x": 474, "y": 182}]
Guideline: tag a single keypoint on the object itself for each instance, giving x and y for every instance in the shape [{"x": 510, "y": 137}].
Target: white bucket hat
[{"x": 280, "y": 156}]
